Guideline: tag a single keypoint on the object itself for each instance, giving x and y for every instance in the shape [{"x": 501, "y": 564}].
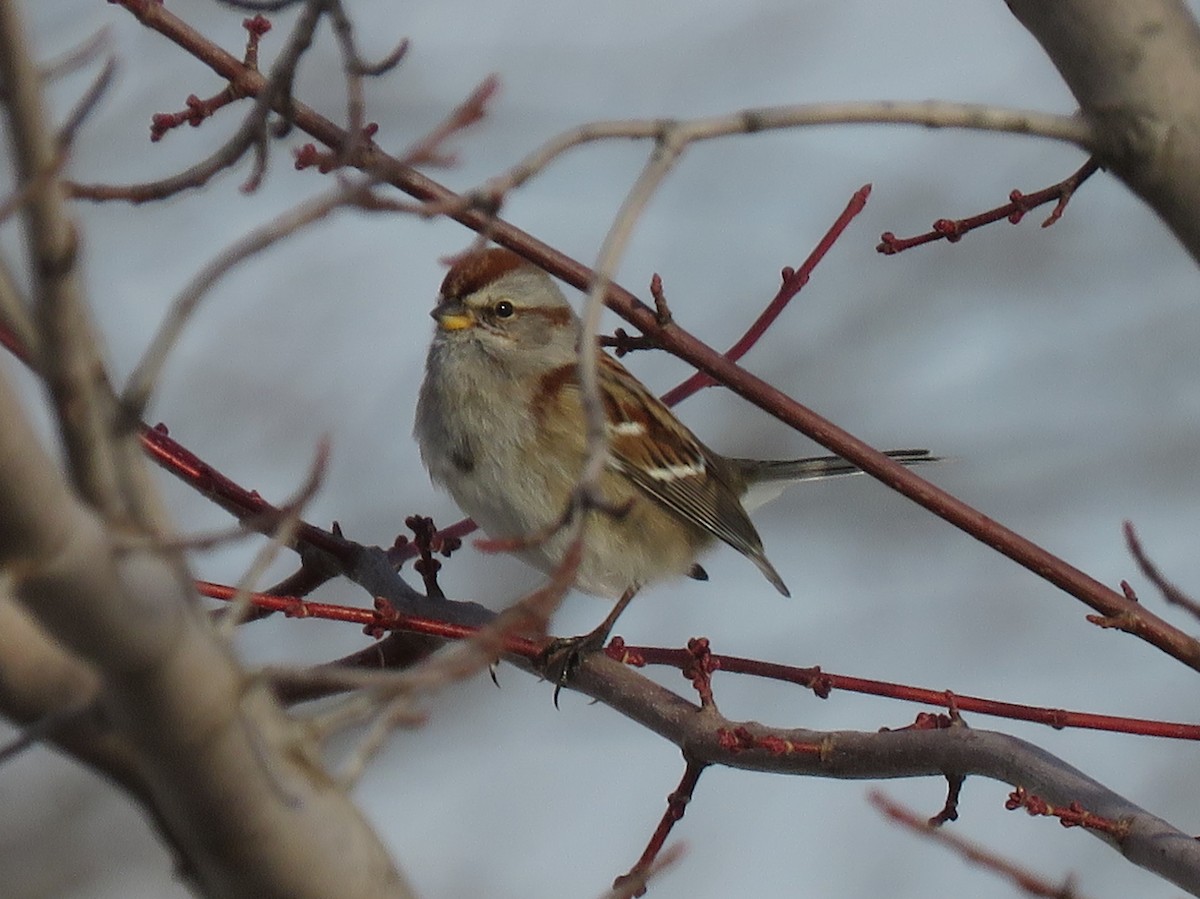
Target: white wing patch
[
  {"x": 626, "y": 428},
  {"x": 677, "y": 472}
]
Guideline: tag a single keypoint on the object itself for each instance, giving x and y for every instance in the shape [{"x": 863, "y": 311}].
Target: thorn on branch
[{"x": 949, "y": 812}]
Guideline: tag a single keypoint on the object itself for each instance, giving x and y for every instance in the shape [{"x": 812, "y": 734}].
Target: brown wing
[{"x": 662, "y": 457}]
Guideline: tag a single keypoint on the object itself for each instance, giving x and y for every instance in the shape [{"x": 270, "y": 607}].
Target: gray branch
[
  {"x": 1134, "y": 68},
  {"x": 235, "y": 783}
]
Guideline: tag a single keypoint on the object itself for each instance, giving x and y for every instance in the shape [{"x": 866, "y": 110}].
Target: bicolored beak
[{"x": 452, "y": 315}]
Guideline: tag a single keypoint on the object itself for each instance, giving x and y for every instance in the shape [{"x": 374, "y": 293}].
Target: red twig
[
  {"x": 1169, "y": 591},
  {"x": 973, "y": 852},
  {"x": 700, "y": 668},
  {"x": 793, "y": 281},
  {"x": 823, "y": 682},
  {"x": 820, "y": 682},
  {"x": 1073, "y": 815},
  {"x": 196, "y": 110},
  {"x": 697, "y": 662},
  {"x": 676, "y": 805},
  {"x": 1014, "y": 210},
  {"x": 375, "y": 622},
  {"x": 229, "y": 495},
  {"x": 428, "y": 150}
]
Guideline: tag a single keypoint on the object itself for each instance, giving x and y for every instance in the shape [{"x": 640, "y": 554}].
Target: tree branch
[
  {"x": 226, "y": 772},
  {"x": 1134, "y": 68}
]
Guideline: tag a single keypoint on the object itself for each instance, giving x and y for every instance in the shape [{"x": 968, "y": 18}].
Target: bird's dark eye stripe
[{"x": 503, "y": 309}]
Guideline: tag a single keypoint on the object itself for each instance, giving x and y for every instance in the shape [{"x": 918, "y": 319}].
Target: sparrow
[{"x": 500, "y": 425}]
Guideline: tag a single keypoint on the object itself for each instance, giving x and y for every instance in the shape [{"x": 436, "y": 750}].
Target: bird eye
[{"x": 503, "y": 309}]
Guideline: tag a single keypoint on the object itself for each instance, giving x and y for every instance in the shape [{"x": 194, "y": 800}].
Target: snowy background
[{"x": 1058, "y": 367}]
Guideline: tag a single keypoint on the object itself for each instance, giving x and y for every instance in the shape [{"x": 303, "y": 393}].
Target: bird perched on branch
[{"x": 500, "y": 424}]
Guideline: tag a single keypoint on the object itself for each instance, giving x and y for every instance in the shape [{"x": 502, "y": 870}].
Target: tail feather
[
  {"x": 770, "y": 574},
  {"x": 768, "y": 479},
  {"x": 824, "y": 466}
]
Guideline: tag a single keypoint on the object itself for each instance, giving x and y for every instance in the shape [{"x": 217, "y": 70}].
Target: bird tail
[
  {"x": 768, "y": 479},
  {"x": 824, "y": 466}
]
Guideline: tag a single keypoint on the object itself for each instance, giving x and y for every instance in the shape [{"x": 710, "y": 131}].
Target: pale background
[{"x": 1058, "y": 367}]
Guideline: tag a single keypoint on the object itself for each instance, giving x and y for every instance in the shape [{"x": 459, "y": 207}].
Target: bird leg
[{"x": 562, "y": 655}]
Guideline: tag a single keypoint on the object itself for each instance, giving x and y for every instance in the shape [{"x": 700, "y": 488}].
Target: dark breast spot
[{"x": 462, "y": 458}]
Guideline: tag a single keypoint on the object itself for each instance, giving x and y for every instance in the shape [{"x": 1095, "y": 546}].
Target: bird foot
[{"x": 562, "y": 656}]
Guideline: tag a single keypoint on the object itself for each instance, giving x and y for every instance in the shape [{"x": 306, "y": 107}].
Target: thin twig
[
  {"x": 292, "y": 510},
  {"x": 793, "y": 281},
  {"x": 634, "y": 881},
  {"x": 79, "y": 56},
  {"x": 1023, "y": 878},
  {"x": 86, "y": 104},
  {"x": 16, "y": 320},
  {"x": 427, "y": 150},
  {"x": 1014, "y": 210},
  {"x": 138, "y": 390},
  {"x": 930, "y": 113},
  {"x": 355, "y": 70},
  {"x": 1170, "y": 592},
  {"x": 45, "y": 728}
]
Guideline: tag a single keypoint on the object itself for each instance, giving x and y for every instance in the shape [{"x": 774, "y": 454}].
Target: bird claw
[{"x": 562, "y": 657}]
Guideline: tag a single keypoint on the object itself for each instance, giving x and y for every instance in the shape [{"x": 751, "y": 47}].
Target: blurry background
[{"x": 1057, "y": 367}]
